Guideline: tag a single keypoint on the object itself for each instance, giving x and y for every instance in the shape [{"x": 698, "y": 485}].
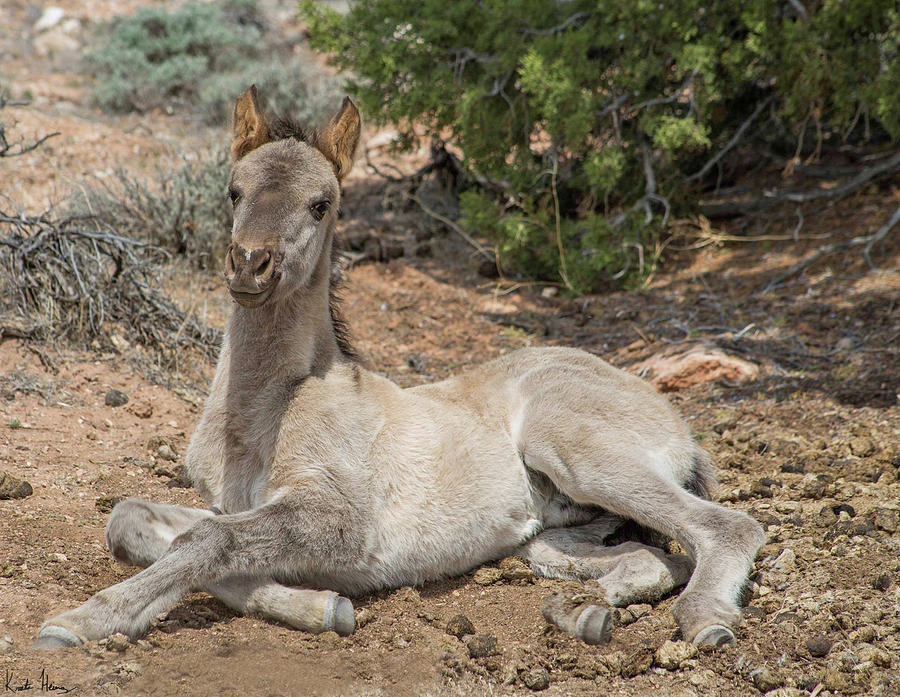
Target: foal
[{"x": 324, "y": 475}]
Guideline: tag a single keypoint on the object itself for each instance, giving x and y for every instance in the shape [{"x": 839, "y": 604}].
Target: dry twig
[
  {"x": 868, "y": 240},
  {"x": 71, "y": 280},
  {"x": 19, "y": 147}
]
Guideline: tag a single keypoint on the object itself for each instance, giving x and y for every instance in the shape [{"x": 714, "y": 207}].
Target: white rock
[
  {"x": 56, "y": 40},
  {"x": 845, "y": 344},
  {"x": 786, "y": 561},
  {"x": 50, "y": 18},
  {"x": 787, "y": 506}
]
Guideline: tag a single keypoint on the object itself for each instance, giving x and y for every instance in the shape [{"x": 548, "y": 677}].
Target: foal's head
[{"x": 285, "y": 188}]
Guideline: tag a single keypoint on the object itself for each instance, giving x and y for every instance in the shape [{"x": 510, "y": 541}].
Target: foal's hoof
[
  {"x": 714, "y": 635},
  {"x": 594, "y": 625},
  {"x": 55, "y": 637},
  {"x": 340, "y": 616}
]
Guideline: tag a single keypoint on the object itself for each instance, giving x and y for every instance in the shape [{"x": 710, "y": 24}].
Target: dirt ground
[{"x": 810, "y": 446}]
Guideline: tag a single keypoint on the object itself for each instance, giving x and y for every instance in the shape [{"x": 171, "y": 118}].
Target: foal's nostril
[
  {"x": 263, "y": 265},
  {"x": 231, "y": 262}
]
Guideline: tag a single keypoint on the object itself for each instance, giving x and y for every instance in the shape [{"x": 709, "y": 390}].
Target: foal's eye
[
  {"x": 319, "y": 209},
  {"x": 234, "y": 196}
]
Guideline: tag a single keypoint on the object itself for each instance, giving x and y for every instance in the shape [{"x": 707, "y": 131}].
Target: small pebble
[
  {"x": 13, "y": 488},
  {"x": 673, "y": 653},
  {"x": 637, "y": 663},
  {"x": 536, "y": 679},
  {"x": 811, "y": 487},
  {"x": 639, "y": 610},
  {"x": 819, "y": 646},
  {"x": 487, "y": 575},
  {"x": 165, "y": 452},
  {"x": 363, "y": 617},
  {"x": 882, "y": 582},
  {"x": 115, "y": 398},
  {"x": 6, "y": 643},
  {"x": 844, "y": 344},
  {"x": 105, "y": 504},
  {"x": 482, "y": 645},
  {"x": 766, "y": 680},
  {"x": 117, "y": 642},
  {"x": 58, "y": 557},
  {"x": 887, "y": 519},
  {"x": 131, "y": 668},
  {"x": 786, "y": 561},
  {"x": 329, "y": 640},
  {"x": 514, "y": 569},
  {"x": 862, "y": 446},
  {"x": 460, "y": 626}
]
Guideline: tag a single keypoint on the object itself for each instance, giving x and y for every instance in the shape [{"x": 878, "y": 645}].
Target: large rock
[
  {"x": 49, "y": 18},
  {"x": 681, "y": 366},
  {"x": 60, "y": 39},
  {"x": 13, "y": 488}
]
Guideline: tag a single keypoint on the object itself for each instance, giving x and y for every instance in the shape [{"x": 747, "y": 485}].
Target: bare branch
[
  {"x": 801, "y": 10},
  {"x": 480, "y": 248},
  {"x": 650, "y": 194},
  {"x": 735, "y": 139},
  {"x": 8, "y": 149},
  {"x": 725, "y": 209},
  {"x": 671, "y": 98},
  {"x": 613, "y": 105},
  {"x": 850, "y": 186},
  {"x": 576, "y": 20},
  {"x": 868, "y": 240}
]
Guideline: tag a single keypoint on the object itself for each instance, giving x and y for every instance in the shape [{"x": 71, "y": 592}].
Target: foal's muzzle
[{"x": 252, "y": 274}]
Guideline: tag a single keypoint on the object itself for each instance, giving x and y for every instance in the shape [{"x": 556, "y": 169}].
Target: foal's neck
[{"x": 286, "y": 341}]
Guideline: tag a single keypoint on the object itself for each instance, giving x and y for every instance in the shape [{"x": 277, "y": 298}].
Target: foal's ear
[
  {"x": 337, "y": 141},
  {"x": 249, "y": 128}
]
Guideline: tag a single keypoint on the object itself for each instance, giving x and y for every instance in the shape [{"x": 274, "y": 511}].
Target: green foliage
[
  {"x": 184, "y": 210},
  {"x": 587, "y": 118},
  {"x": 202, "y": 56}
]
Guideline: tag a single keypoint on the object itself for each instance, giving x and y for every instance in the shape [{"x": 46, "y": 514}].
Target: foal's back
[{"x": 566, "y": 390}]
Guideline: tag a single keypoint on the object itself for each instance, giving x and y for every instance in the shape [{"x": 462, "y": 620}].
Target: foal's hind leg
[
  {"x": 613, "y": 472},
  {"x": 628, "y": 573},
  {"x": 140, "y": 532}
]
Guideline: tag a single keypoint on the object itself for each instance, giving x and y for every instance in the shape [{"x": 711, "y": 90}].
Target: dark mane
[
  {"x": 338, "y": 323},
  {"x": 284, "y": 127}
]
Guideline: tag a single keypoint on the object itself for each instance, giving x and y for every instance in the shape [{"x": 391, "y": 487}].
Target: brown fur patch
[{"x": 249, "y": 127}]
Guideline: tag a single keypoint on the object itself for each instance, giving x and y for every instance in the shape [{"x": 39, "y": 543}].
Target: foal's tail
[{"x": 702, "y": 481}]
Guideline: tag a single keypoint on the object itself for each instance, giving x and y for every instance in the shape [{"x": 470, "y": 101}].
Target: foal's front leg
[
  {"x": 140, "y": 532},
  {"x": 217, "y": 552}
]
